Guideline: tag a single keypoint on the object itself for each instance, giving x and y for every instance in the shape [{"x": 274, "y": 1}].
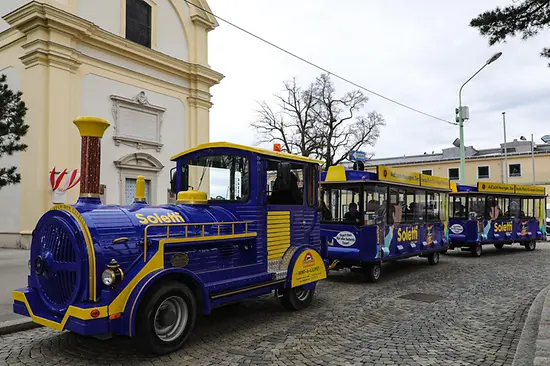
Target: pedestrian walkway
[{"x": 14, "y": 270}]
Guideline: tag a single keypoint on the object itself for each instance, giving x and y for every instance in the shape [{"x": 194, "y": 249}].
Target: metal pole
[
  {"x": 533, "y": 157},
  {"x": 505, "y": 148},
  {"x": 462, "y": 172}
]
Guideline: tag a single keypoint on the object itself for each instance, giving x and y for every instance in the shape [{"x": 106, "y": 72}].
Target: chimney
[{"x": 91, "y": 130}]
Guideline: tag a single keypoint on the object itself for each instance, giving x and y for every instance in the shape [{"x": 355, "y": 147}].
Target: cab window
[{"x": 279, "y": 195}]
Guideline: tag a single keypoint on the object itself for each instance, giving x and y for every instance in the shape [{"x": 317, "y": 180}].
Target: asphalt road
[
  {"x": 13, "y": 274},
  {"x": 466, "y": 311}
]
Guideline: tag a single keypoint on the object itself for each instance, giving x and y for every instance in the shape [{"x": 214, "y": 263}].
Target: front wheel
[
  {"x": 433, "y": 258},
  {"x": 373, "y": 272},
  {"x": 297, "y": 298},
  {"x": 499, "y": 245},
  {"x": 166, "y": 318},
  {"x": 530, "y": 246},
  {"x": 477, "y": 251}
]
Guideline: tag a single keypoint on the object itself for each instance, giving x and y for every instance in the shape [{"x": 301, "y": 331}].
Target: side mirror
[
  {"x": 283, "y": 177},
  {"x": 172, "y": 181}
]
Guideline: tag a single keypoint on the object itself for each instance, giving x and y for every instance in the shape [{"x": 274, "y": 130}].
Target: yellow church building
[{"x": 140, "y": 64}]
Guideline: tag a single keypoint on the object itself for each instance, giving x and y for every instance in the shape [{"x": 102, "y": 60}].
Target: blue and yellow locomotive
[{"x": 146, "y": 272}]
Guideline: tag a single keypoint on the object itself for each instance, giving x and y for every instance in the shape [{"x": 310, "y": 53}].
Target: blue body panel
[{"x": 471, "y": 232}]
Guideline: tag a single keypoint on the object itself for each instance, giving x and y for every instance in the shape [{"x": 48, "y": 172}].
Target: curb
[
  {"x": 17, "y": 325},
  {"x": 529, "y": 346}
]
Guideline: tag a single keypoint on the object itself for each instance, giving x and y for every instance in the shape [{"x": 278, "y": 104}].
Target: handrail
[{"x": 186, "y": 225}]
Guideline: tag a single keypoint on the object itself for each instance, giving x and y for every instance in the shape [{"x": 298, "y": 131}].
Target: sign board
[
  {"x": 530, "y": 190},
  {"x": 495, "y": 187},
  {"x": 357, "y": 156},
  {"x": 434, "y": 182},
  {"x": 388, "y": 175}
]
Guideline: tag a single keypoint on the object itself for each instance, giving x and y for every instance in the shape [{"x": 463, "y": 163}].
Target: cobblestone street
[{"x": 475, "y": 317}]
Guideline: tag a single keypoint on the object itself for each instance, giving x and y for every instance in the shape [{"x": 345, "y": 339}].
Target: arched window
[
  {"x": 130, "y": 167},
  {"x": 138, "y": 22}
]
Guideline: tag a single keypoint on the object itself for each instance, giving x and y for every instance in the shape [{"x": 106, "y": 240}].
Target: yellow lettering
[
  {"x": 142, "y": 219},
  {"x": 178, "y": 217},
  {"x": 152, "y": 219},
  {"x": 166, "y": 219}
]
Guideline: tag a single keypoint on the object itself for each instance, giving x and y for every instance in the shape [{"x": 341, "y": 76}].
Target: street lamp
[{"x": 460, "y": 121}]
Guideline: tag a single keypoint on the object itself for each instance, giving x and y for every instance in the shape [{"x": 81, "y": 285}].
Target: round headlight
[{"x": 108, "y": 277}]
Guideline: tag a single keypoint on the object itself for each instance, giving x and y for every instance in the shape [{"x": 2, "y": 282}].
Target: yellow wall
[{"x": 43, "y": 45}]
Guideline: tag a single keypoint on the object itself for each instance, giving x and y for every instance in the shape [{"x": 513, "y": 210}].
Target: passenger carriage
[
  {"x": 498, "y": 214},
  {"x": 147, "y": 271},
  {"x": 373, "y": 217}
]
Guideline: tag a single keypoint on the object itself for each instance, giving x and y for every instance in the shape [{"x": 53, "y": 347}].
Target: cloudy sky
[{"x": 417, "y": 52}]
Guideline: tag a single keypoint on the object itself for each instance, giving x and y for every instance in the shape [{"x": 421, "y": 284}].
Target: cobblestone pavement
[{"x": 477, "y": 319}]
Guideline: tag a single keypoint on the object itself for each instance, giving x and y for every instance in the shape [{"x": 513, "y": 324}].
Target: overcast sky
[{"x": 417, "y": 52}]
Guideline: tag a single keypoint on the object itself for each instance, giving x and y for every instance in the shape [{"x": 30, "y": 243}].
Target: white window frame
[
  {"x": 127, "y": 168},
  {"x": 449, "y": 169},
  {"x": 427, "y": 170},
  {"x": 520, "y": 170},
  {"x": 488, "y": 169}
]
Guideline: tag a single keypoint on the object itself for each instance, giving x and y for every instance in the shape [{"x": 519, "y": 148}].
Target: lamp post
[
  {"x": 505, "y": 148},
  {"x": 460, "y": 121}
]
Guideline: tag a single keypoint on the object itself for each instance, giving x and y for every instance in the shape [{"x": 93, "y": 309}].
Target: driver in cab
[{"x": 352, "y": 215}]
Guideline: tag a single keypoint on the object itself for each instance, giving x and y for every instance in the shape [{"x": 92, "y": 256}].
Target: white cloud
[{"x": 417, "y": 52}]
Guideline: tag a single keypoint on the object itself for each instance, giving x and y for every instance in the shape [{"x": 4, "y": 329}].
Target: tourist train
[{"x": 147, "y": 271}]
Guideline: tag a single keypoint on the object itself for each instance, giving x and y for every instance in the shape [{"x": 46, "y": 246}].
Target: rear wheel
[
  {"x": 297, "y": 298},
  {"x": 477, "y": 251},
  {"x": 166, "y": 318},
  {"x": 499, "y": 245},
  {"x": 433, "y": 258},
  {"x": 373, "y": 271},
  {"x": 530, "y": 246}
]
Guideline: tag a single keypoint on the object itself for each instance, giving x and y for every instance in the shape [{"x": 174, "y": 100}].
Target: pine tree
[
  {"x": 527, "y": 18},
  {"x": 12, "y": 128}
]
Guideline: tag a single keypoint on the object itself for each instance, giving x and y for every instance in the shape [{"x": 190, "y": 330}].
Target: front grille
[{"x": 61, "y": 275}]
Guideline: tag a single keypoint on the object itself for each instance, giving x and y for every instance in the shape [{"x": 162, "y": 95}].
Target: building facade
[
  {"x": 140, "y": 64},
  {"x": 482, "y": 164}
]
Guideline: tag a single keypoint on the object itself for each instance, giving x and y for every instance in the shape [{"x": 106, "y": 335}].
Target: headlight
[{"x": 108, "y": 277}]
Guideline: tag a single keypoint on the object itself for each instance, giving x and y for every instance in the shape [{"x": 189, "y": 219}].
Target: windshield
[{"x": 227, "y": 177}]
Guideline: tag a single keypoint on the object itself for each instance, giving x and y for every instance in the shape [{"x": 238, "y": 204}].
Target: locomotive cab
[{"x": 148, "y": 271}]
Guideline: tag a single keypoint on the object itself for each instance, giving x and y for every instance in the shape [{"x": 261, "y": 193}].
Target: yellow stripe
[
  {"x": 246, "y": 289},
  {"x": 274, "y": 256},
  {"x": 157, "y": 262},
  {"x": 277, "y": 247},
  {"x": 89, "y": 245},
  {"x": 278, "y": 213},
  {"x": 78, "y": 313},
  {"x": 277, "y": 251},
  {"x": 277, "y": 241},
  {"x": 277, "y": 229},
  {"x": 272, "y": 223}
]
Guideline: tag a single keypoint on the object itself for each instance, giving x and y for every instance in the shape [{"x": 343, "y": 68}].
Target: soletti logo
[
  {"x": 385, "y": 173},
  {"x": 171, "y": 218},
  {"x": 483, "y": 186}
]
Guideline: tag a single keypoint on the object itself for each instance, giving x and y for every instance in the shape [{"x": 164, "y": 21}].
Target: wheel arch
[
  {"x": 293, "y": 261},
  {"x": 155, "y": 279}
]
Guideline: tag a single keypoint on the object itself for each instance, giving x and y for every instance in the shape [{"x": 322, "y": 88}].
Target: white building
[{"x": 140, "y": 64}]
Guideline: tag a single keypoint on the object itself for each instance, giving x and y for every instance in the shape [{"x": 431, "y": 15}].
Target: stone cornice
[
  {"x": 202, "y": 17},
  {"x": 36, "y": 15}
]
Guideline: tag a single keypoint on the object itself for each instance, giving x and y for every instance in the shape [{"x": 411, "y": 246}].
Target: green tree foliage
[
  {"x": 526, "y": 18},
  {"x": 12, "y": 128}
]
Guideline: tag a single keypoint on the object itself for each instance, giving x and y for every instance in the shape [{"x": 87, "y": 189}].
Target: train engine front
[{"x": 88, "y": 260}]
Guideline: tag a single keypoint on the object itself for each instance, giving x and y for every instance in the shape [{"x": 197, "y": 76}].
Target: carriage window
[
  {"x": 433, "y": 205},
  {"x": 458, "y": 207},
  {"x": 476, "y": 207},
  {"x": 295, "y": 195},
  {"x": 493, "y": 206},
  {"x": 527, "y": 208},
  {"x": 344, "y": 204},
  {"x": 229, "y": 176},
  {"x": 419, "y": 212},
  {"x": 514, "y": 207},
  {"x": 312, "y": 173}
]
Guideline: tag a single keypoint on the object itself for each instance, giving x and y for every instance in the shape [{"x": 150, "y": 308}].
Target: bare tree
[
  {"x": 293, "y": 124},
  {"x": 315, "y": 123}
]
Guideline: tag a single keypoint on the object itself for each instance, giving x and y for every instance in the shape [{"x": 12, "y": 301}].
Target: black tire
[
  {"x": 297, "y": 298},
  {"x": 444, "y": 251},
  {"x": 433, "y": 258},
  {"x": 530, "y": 246},
  {"x": 499, "y": 245},
  {"x": 477, "y": 251},
  {"x": 373, "y": 271},
  {"x": 165, "y": 297}
]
